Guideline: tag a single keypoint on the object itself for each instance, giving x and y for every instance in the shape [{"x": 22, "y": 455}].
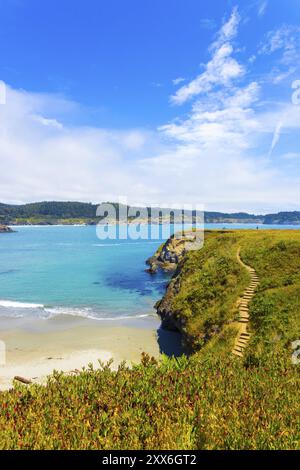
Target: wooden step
[
  {"x": 242, "y": 341},
  {"x": 237, "y": 353},
  {"x": 243, "y": 306}
]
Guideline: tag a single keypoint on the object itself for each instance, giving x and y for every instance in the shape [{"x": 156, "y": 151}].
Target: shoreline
[
  {"x": 38, "y": 347},
  {"x": 219, "y": 225}
]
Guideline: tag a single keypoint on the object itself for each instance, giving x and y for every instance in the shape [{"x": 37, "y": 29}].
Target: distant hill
[
  {"x": 52, "y": 212},
  {"x": 63, "y": 210},
  {"x": 283, "y": 218}
]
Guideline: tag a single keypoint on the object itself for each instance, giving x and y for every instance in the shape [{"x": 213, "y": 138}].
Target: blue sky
[{"x": 156, "y": 100}]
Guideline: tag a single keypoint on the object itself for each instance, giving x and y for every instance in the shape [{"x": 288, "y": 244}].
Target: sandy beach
[{"x": 34, "y": 348}]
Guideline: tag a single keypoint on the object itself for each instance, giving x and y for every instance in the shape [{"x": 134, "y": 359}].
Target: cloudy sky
[{"x": 159, "y": 102}]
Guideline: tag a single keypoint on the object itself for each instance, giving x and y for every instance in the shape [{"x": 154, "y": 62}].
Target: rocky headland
[
  {"x": 170, "y": 258},
  {"x": 170, "y": 253}
]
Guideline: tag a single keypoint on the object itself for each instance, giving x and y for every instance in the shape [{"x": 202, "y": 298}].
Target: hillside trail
[{"x": 243, "y": 335}]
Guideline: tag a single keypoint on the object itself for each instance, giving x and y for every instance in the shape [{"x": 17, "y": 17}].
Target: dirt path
[{"x": 243, "y": 334}]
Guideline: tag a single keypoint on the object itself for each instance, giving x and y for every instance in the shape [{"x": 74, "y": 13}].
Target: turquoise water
[
  {"x": 49, "y": 271},
  {"x": 57, "y": 270}
]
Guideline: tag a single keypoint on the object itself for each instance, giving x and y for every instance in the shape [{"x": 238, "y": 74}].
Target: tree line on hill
[{"x": 51, "y": 211}]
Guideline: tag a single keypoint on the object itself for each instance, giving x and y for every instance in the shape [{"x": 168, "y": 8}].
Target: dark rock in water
[
  {"x": 5, "y": 229},
  {"x": 151, "y": 260},
  {"x": 153, "y": 269}
]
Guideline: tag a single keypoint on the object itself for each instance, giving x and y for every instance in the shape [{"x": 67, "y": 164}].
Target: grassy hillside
[
  {"x": 204, "y": 292},
  {"x": 211, "y": 400}
]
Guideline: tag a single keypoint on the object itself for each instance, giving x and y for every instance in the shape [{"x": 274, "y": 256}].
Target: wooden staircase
[{"x": 243, "y": 335}]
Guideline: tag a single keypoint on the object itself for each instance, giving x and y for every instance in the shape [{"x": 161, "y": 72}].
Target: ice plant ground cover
[{"x": 209, "y": 400}]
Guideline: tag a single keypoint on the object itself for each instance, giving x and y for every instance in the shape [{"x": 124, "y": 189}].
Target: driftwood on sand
[{"x": 23, "y": 380}]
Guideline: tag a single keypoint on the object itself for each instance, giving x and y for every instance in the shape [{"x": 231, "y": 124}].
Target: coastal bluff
[
  {"x": 170, "y": 253},
  {"x": 170, "y": 258}
]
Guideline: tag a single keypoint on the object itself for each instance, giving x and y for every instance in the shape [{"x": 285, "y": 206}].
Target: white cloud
[
  {"x": 178, "y": 80},
  {"x": 205, "y": 158},
  {"x": 277, "y": 76},
  {"x": 216, "y": 155},
  {"x": 276, "y": 136},
  {"x": 262, "y": 9},
  {"x": 221, "y": 70},
  {"x": 42, "y": 159},
  {"x": 285, "y": 39},
  {"x": 48, "y": 122},
  {"x": 229, "y": 29}
]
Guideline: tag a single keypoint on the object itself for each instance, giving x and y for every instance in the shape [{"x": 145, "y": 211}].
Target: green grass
[
  {"x": 209, "y": 284},
  {"x": 211, "y": 280},
  {"x": 210, "y": 400}
]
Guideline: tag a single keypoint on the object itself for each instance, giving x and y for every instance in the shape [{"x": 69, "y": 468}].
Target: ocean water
[
  {"x": 49, "y": 271},
  {"x": 67, "y": 270}
]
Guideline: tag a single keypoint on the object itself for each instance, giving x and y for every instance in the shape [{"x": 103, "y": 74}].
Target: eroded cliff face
[
  {"x": 169, "y": 255},
  {"x": 164, "y": 307}
]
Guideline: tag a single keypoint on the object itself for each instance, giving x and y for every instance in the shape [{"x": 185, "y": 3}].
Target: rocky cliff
[{"x": 168, "y": 256}]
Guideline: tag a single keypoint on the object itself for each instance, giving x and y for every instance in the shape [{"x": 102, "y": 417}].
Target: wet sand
[{"x": 34, "y": 348}]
